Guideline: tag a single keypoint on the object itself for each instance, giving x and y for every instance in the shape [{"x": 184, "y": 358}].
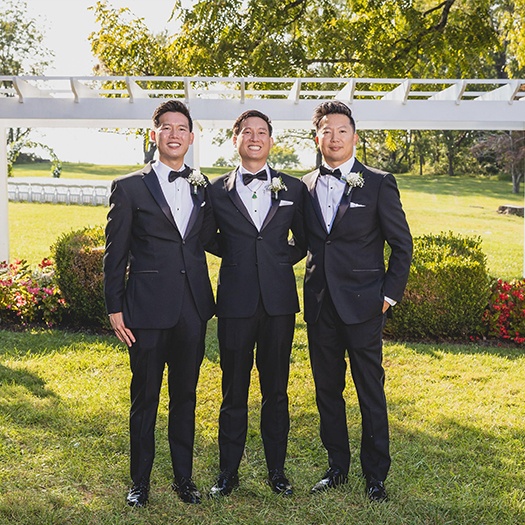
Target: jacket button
[
  {"x": 183, "y": 242},
  {"x": 183, "y": 271},
  {"x": 259, "y": 238},
  {"x": 328, "y": 242}
]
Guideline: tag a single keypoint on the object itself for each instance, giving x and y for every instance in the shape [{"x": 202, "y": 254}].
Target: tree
[
  {"x": 504, "y": 150},
  {"x": 321, "y": 38},
  {"x": 22, "y": 53},
  {"x": 377, "y": 38},
  {"x": 125, "y": 46}
]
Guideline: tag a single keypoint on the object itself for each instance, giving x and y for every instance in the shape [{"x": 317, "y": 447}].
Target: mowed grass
[
  {"x": 456, "y": 411},
  {"x": 457, "y": 439}
]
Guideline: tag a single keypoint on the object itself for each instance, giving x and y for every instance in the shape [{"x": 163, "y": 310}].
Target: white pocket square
[
  {"x": 285, "y": 203},
  {"x": 357, "y": 205},
  {"x": 203, "y": 204}
]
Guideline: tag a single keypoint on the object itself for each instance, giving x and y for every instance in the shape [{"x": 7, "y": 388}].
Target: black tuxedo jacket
[
  {"x": 147, "y": 260},
  {"x": 349, "y": 262},
  {"x": 257, "y": 264}
]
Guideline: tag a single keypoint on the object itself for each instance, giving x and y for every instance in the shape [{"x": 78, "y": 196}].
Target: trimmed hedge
[
  {"x": 78, "y": 259},
  {"x": 447, "y": 292}
]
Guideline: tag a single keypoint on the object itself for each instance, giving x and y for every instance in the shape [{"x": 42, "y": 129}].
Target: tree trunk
[{"x": 516, "y": 179}]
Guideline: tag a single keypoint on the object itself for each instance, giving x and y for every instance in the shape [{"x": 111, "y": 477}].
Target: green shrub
[
  {"x": 447, "y": 292},
  {"x": 78, "y": 259}
]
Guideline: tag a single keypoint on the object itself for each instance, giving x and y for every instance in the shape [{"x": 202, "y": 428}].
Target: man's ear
[{"x": 152, "y": 135}]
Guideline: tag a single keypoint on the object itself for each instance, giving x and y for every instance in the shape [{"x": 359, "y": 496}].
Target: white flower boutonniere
[
  {"x": 276, "y": 186},
  {"x": 197, "y": 179},
  {"x": 353, "y": 180}
]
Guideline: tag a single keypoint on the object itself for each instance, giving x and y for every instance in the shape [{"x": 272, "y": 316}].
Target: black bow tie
[
  {"x": 248, "y": 177},
  {"x": 323, "y": 170},
  {"x": 183, "y": 173}
]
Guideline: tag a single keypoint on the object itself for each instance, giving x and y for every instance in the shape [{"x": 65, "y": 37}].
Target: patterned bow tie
[
  {"x": 248, "y": 177},
  {"x": 323, "y": 170},
  {"x": 176, "y": 174}
]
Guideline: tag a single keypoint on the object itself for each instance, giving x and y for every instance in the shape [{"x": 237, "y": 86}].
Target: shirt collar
[
  {"x": 162, "y": 170},
  {"x": 241, "y": 169},
  {"x": 346, "y": 167}
]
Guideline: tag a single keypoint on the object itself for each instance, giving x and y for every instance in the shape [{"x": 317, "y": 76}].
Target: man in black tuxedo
[
  {"x": 255, "y": 207},
  {"x": 351, "y": 211},
  {"x": 159, "y": 296}
]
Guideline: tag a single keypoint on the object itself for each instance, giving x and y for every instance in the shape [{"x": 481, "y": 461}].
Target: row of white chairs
[{"x": 88, "y": 194}]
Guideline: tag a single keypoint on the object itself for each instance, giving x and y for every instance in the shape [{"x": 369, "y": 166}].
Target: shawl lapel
[
  {"x": 152, "y": 183},
  {"x": 198, "y": 199},
  {"x": 274, "y": 203},
  {"x": 310, "y": 181},
  {"x": 229, "y": 186}
]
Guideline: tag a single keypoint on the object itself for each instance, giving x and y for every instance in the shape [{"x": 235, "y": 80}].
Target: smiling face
[
  {"x": 336, "y": 139},
  {"x": 173, "y": 138},
  {"x": 253, "y": 142}
]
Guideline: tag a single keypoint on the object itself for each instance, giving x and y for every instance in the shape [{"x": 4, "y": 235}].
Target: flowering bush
[
  {"x": 30, "y": 296},
  {"x": 505, "y": 314}
]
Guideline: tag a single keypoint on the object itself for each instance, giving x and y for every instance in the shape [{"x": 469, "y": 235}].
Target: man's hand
[
  {"x": 386, "y": 306},
  {"x": 121, "y": 331}
]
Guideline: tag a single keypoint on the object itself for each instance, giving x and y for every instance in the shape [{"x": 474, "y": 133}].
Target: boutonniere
[
  {"x": 197, "y": 180},
  {"x": 276, "y": 186},
  {"x": 353, "y": 180}
]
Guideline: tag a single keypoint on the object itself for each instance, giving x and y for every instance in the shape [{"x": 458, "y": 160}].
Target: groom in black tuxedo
[
  {"x": 158, "y": 294},
  {"x": 351, "y": 211},
  {"x": 255, "y": 208}
]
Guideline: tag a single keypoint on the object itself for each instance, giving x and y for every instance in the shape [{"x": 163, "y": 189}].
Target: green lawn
[
  {"x": 457, "y": 429},
  {"x": 456, "y": 412}
]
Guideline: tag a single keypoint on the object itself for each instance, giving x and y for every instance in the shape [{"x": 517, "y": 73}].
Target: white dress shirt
[
  {"x": 178, "y": 195},
  {"x": 255, "y": 196},
  {"x": 330, "y": 191}
]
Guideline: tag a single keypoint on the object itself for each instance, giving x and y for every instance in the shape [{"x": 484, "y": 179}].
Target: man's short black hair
[
  {"x": 246, "y": 115},
  {"x": 175, "y": 106},
  {"x": 330, "y": 107}
]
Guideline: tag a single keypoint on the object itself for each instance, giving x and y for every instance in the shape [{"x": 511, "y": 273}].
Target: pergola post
[{"x": 4, "y": 200}]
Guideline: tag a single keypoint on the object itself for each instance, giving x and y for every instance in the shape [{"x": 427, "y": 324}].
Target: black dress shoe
[
  {"x": 375, "y": 490},
  {"x": 279, "y": 483},
  {"x": 187, "y": 490},
  {"x": 138, "y": 494},
  {"x": 225, "y": 484},
  {"x": 332, "y": 478}
]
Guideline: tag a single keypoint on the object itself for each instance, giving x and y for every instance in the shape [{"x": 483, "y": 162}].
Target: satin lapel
[
  {"x": 229, "y": 185},
  {"x": 274, "y": 203},
  {"x": 310, "y": 181},
  {"x": 198, "y": 199},
  {"x": 346, "y": 199},
  {"x": 344, "y": 204},
  {"x": 152, "y": 182}
]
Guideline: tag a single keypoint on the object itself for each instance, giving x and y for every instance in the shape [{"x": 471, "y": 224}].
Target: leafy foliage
[
  {"x": 78, "y": 255},
  {"x": 447, "y": 290},
  {"x": 30, "y": 296}
]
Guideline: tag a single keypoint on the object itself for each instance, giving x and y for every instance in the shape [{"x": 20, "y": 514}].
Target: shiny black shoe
[
  {"x": 225, "y": 484},
  {"x": 187, "y": 490},
  {"x": 138, "y": 494},
  {"x": 279, "y": 483},
  {"x": 332, "y": 478},
  {"x": 375, "y": 490}
]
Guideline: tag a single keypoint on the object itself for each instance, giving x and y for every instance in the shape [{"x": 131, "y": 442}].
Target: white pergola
[{"x": 128, "y": 102}]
